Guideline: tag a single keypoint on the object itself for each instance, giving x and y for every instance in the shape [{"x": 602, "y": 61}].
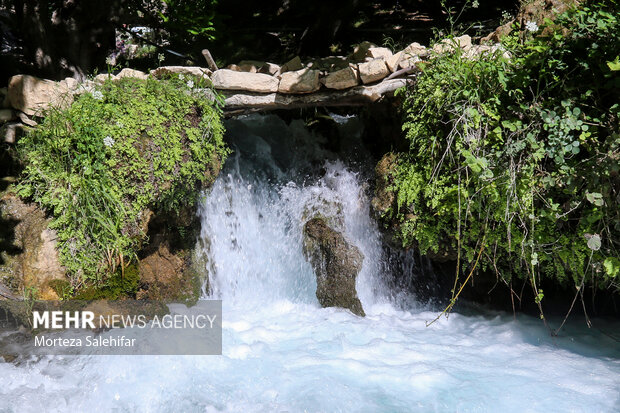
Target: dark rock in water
[{"x": 336, "y": 264}]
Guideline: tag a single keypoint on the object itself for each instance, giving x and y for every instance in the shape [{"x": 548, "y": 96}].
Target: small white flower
[
  {"x": 181, "y": 76},
  {"x": 475, "y": 4},
  {"x": 531, "y": 26},
  {"x": 190, "y": 84},
  {"x": 97, "y": 95},
  {"x": 108, "y": 141},
  {"x": 119, "y": 125}
]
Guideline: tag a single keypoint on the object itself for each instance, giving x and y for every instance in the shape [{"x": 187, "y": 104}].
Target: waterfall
[{"x": 253, "y": 217}]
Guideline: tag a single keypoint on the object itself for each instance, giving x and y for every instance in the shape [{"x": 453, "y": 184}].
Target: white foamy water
[{"x": 283, "y": 353}]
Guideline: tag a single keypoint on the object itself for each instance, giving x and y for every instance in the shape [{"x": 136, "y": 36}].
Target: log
[
  {"x": 210, "y": 62},
  {"x": 245, "y": 102}
]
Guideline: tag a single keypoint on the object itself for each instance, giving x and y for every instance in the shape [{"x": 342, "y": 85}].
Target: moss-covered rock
[{"x": 130, "y": 152}]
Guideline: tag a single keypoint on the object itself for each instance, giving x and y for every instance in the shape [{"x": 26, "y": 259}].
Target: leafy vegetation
[
  {"x": 515, "y": 159},
  {"x": 101, "y": 166}
]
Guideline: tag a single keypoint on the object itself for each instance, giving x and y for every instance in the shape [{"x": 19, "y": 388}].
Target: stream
[{"x": 282, "y": 352}]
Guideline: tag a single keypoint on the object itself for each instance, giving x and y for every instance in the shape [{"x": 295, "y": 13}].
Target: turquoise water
[{"x": 283, "y": 353}]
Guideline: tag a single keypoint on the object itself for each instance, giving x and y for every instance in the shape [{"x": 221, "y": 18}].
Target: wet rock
[
  {"x": 252, "y": 82},
  {"x": 373, "y": 71},
  {"x": 299, "y": 81},
  {"x": 342, "y": 79},
  {"x": 384, "y": 199},
  {"x": 32, "y": 95},
  {"x": 336, "y": 264},
  {"x": 166, "y": 274},
  {"x": 32, "y": 259}
]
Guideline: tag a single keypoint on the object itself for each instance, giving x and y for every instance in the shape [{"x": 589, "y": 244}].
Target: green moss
[
  {"x": 119, "y": 285},
  {"x": 63, "y": 288},
  {"x": 98, "y": 166}
]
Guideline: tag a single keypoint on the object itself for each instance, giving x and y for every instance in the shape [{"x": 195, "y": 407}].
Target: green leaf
[
  {"x": 614, "y": 65},
  {"x": 595, "y": 198},
  {"x": 612, "y": 266},
  {"x": 594, "y": 243}
]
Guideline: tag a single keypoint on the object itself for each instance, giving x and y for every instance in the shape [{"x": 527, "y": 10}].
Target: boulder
[
  {"x": 32, "y": 258},
  {"x": 127, "y": 72},
  {"x": 299, "y": 81},
  {"x": 336, "y": 264},
  {"x": 448, "y": 45},
  {"x": 32, "y": 95},
  {"x": 102, "y": 77},
  {"x": 252, "y": 82},
  {"x": 415, "y": 49},
  {"x": 196, "y": 71},
  {"x": 342, "y": 79},
  {"x": 379, "y": 52},
  {"x": 71, "y": 84},
  {"x": 292, "y": 65},
  {"x": 373, "y": 71},
  {"x": 393, "y": 61}
]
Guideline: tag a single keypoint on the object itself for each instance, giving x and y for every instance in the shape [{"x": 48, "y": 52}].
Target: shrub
[
  {"x": 516, "y": 160},
  {"x": 99, "y": 167}
]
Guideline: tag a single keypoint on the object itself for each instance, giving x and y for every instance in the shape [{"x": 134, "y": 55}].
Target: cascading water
[
  {"x": 252, "y": 221},
  {"x": 282, "y": 352}
]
